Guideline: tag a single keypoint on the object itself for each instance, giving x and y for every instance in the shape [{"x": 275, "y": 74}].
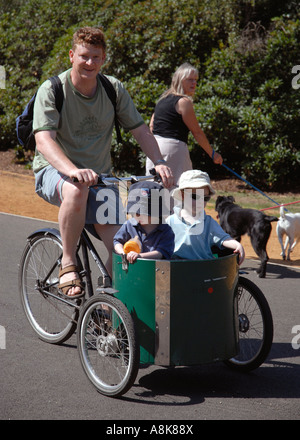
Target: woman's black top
[{"x": 168, "y": 122}]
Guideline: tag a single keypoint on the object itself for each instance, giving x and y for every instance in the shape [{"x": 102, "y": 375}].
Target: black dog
[{"x": 237, "y": 221}]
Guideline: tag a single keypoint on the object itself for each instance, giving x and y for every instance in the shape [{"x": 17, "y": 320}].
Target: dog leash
[
  {"x": 248, "y": 183},
  {"x": 284, "y": 204}
]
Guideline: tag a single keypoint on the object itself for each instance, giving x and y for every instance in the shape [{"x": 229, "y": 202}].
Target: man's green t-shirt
[{"x": 84, "y": 126}]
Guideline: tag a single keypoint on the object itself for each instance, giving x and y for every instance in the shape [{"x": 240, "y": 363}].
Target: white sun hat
[{"x": 192, "y": 179}]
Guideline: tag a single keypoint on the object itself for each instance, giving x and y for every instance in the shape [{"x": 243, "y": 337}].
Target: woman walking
[{"x": 174, "y": 117}]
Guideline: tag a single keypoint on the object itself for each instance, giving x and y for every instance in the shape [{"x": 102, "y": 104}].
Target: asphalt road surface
[{"x": 39, "y": 381}]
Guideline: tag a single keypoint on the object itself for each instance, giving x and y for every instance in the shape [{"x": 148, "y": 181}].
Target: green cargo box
[{"x": 185, "y": 310}]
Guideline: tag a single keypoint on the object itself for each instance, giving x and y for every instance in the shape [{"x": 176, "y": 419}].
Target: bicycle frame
[
  {"x": 104, "y": 285},
  {"x": 86, "y": 245}
]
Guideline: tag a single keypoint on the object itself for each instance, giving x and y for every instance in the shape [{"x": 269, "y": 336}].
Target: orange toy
[{"x": 133, "y": 244}]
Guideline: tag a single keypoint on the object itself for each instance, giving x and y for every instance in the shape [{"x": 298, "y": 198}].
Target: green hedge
[{"x": 245, "y": 51}]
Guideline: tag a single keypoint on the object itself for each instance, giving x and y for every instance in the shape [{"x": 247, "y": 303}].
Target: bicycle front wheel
[
  {"x": 52, "y": 318},
  {"x": 255, "y": 327},
  {"x": 107, "y": 344}
]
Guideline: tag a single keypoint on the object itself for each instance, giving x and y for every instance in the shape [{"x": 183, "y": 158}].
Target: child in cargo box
[
  {"x": 144, "y": 235},
  {"x": 197, "y": 234}
]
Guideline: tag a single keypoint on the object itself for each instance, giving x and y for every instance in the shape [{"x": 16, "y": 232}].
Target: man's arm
[
  {"x": 147, "y": 141},
  {"x": 49, "y": 148}
]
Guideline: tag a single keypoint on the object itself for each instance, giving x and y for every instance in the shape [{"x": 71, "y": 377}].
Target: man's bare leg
[
  {"x": 107, "y": 233},
  {"x": 71, "y": 220}
]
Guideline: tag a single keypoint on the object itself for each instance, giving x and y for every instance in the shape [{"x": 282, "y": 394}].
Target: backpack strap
[
  {"x": 58, "y": 92},
  {"x": 111, "y": 93}
]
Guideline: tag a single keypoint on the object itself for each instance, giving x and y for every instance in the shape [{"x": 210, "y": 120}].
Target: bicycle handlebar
[{"x": 103, "y": 178}]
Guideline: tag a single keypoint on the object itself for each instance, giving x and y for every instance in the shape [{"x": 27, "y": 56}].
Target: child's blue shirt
[{"x": 194, "y": 241}]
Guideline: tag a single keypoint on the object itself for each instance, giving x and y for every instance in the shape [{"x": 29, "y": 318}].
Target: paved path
[{"x": 42, "y": 381}]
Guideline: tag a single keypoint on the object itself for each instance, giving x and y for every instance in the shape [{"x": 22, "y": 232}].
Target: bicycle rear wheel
[
  {"x": 107, "y": 344},
  {"x": 52, "y": 318},
  {"x": 255, "y": 327}
]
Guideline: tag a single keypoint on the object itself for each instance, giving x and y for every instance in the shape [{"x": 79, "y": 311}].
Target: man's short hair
[{"x": 89, "y": 35}]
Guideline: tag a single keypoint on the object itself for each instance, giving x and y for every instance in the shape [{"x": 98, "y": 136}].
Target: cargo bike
[{"x": 167, "y": 313}]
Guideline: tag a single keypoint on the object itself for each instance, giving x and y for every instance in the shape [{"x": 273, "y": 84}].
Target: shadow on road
[
  {"x": 276, "y": 271},
  {"x": 277, "y": 378}
]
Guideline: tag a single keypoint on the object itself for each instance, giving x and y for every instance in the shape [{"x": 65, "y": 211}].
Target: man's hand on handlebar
[
  {"x": 166, "y": 175},
  {"x": 88, "y": 177},
  {"x": 85, "y": 176}
]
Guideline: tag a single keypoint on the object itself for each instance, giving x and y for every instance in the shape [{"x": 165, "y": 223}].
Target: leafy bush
[
  {"x": 249, "y": 109},
  {"x": 245, "y": 52}
]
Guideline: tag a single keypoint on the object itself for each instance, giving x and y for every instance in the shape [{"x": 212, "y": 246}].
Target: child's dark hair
[{"x": 148, "y": 198}]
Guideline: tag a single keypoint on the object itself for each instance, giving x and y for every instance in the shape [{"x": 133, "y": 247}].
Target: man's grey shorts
[{"x": 104, "y": 205}]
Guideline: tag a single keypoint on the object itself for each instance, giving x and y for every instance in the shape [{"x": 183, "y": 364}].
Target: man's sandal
[{"x": 65, "y": 287}]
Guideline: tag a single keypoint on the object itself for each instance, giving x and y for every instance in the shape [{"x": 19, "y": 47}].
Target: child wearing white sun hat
[{"x": 195, "y": 232}]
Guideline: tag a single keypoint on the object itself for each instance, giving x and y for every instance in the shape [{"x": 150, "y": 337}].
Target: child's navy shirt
[{"x": 161, "y": 239}]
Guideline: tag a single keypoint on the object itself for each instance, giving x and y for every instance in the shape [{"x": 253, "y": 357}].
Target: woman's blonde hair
[{"x": 180, "y": 74}]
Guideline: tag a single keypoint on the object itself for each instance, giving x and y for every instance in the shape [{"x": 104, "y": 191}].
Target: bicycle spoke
[{"x": 107, "y": 345}]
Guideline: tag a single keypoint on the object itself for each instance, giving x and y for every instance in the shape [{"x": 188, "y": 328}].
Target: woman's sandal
[{"x": 65, "y": 287}]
